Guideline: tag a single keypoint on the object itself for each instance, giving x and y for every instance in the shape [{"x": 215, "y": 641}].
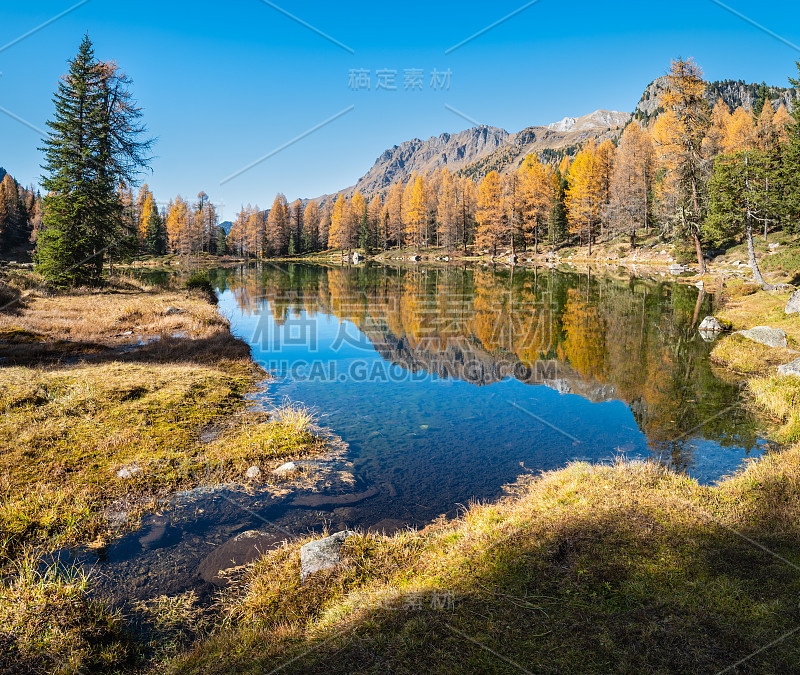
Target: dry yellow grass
[
  {"x": 779, "y": 396},
  {"x": 85, "y": 391},
  {"x": 761, "y": 308}
]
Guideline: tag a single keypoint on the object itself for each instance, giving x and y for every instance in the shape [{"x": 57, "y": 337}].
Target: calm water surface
[{"x": 448, "y": 383}]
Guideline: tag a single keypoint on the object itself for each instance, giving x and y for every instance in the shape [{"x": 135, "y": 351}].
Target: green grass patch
[
  {"x": 779, "y": 396},
  {"x": 746, "y": 357}
]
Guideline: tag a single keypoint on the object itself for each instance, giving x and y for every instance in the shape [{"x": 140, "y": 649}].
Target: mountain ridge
[{"x": 480, "y": 149}]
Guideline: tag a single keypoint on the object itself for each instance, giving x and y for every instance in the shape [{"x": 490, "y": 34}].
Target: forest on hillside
[{"x": 698, "y": 175}]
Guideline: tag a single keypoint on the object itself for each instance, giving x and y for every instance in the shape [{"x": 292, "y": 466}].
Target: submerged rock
[
  {"x": 771, "y": 337},
  {"x": 242, "y": 549},
  {"x": 793, "y": 306},
  {"x": 322, "y": 554},
  {"x": 319, "y": 500},
  {"x": 792, "y": 368}
]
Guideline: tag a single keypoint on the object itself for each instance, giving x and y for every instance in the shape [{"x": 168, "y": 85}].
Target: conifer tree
[
  {"x": 311, "y": 223},
  {"x": 337, "y": 236},
  {"x": 631, "y": 183},
  {"x": 492, "y": 227},
  {"x": 737, "y": 201},
  {"x": 94, "y": 143},
  {"x": 155, "y": 240},
  {"x": 791, "y": 166},
  {"x": 222, "y": 242},
  {"x": 558, "y": 213}
]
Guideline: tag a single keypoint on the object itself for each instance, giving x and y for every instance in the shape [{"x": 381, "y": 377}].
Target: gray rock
[
  {"x": 772, "y": 247},
  {"x": 128, "y": 471},
  {"x": 253, "y": 473},
  {"x": 793, "y": 306},
  {"x": 711, "y": 324},
  {"x": 357, "y": 257},
  {"x": 283, "y": 469},
  {"x": 322, "y": 554},
  {"x": 242, "y": 549},
  {"x": 169, "y": 311},
  {"x": 317, "y": 500},
  {"x": 792, "y": 368},
  {"x": 772, "y": 337},
  {"x": 677, "y": 269}
]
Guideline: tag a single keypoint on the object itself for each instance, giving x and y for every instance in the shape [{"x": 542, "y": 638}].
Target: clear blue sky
[{"x": 223, "y": 84}]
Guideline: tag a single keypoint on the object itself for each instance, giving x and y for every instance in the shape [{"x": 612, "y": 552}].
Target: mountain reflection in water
[{"x": 446, "y": 380}]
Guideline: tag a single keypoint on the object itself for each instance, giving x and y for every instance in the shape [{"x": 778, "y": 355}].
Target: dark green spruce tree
[
  {"x": 155, "y": 236},
  {"x": 790, "y": 173},
  {"x": 761, "y": 98},
  {"x": 93, "y": 145},
  {"x": 222, "y": 241}
]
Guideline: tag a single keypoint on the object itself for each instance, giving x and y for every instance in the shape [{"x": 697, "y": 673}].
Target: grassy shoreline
[{"x": 112, "y": 399}]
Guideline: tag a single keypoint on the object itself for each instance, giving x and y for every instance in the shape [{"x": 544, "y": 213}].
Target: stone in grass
[
  {"x": 771, "y": 337},
  {"x": 253, "y": 473},
  {"x": 322, "y": 554},
  {"x": 712, "y": 324},
  {"x": 283, "y": 469},
  {"x": 792, "y": 368},
  {"x": 169, "y": 311},
  {"x": 793, "y": 306},
  {"x": 128, "y": 471}
]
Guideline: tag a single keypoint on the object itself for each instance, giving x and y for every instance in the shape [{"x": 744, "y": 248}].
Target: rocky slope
[
  {"x": 551, "y": 141},
  {"x": 476, "y": 151},
  {"x": 734, "y": 92},
  {"x": 451, "y": 150},
  {"x": 481, "y": 149}
]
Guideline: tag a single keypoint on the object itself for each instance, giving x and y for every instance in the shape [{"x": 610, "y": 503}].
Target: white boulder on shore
[
  {"x": 792, "y": 368},
  {"x": 283, "y": 469},
  {"x": 711, "y": 324},
  {"x": 771, "y": 337},
  {"x": 793, "y": 306},
  {"x": 322, "y": 554}
]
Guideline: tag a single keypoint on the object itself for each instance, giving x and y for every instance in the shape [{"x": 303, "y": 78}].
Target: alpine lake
[{"x": 445, "y": 384}]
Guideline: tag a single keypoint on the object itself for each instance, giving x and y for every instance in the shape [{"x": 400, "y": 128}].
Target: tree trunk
[
  {"x": 696, "y": 317},
  {"x": 751, "y": 251},
  {"x": 695, "y": 234}
]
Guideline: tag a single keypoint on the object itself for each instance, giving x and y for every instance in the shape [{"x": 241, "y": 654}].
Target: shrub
[{"x": 199, "y": 281}]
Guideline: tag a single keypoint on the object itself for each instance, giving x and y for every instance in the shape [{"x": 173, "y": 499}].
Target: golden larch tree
[
  {"x": 583, "y": 195},
  {"x": 492, "y": 230}
]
